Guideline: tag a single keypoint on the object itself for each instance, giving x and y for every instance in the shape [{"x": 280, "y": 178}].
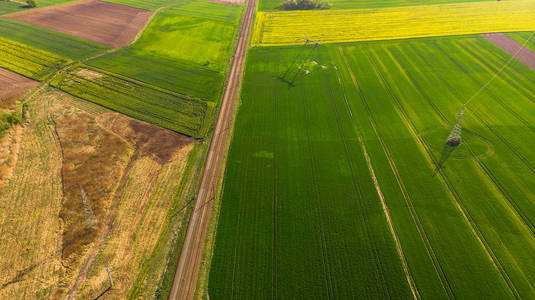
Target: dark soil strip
[{"x": 507, "y": 44}]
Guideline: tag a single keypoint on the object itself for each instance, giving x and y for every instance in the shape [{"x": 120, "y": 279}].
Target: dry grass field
[{"x": 88, "y": 189}]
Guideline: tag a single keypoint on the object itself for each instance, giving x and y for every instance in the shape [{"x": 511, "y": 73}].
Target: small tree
[{"x": 31, "y": 3}]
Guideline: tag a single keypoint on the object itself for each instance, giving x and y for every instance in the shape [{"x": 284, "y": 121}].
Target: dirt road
[{"x": 187, "y": 270}]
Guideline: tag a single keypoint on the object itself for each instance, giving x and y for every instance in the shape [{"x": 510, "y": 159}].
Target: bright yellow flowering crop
[{"x": 333, "y": 26}]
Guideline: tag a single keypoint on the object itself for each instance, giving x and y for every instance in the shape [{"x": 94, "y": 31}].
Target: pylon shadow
[{"x": 444, "y": 156}]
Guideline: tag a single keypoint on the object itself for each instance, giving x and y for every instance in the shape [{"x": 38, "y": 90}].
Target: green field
[
  {"x": 205, "y": 34},
  {"x": 28, "y": 61},
  {"x": 7, "y": 7},
  {"x": 266, "y": 5},
  {"x": 48, "y": 40},
  {"x": 300, "y": 215},
  {"x": 138, "y": 100},
  {"x": 524, "y": 38},
  {"x": 150, "y": 5}
]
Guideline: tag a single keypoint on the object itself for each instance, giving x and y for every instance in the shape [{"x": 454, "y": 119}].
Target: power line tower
[
  {"x": 295, "y": 68},
  {"x": 454, "y": 138}
]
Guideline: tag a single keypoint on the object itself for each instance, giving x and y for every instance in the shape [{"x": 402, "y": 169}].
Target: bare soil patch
[
  {"x": 160, "y": 144},
  {"x": 89, "y": 74},
  {"x": 93, "y": 163},
  {"x": 107, "y": 23},
  {"x": 13, "y": 85},
  {"x": 512, "y": 47}
]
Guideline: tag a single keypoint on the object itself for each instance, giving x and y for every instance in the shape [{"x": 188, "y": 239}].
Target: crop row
[
  {"x": 48, "y": 40},
  {"x": 334, "y": 26},
  {"x": 465, "y": 230},
  {"x": 138, "y": 100},
  {"x": 28, "y": 61}
]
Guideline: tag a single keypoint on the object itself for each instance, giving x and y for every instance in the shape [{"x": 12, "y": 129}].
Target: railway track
[{"x": 185, "y": 279}]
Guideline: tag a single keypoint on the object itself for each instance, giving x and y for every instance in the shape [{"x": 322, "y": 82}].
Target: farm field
[
  {"x": 28, "y": 61},
  {"x": 7, "y": 7},
  {"x": 205, "y": 32},
  {"x": 48, "y": 40},
  {"x": 132, "y": 174},
  {"x": 522, "y": 38},
  {"x": 104, "y": 190},
  {"x": 105, "y": 23},
  {"x": 12, "y": 85},
  {"x": 301, "y": 208},
  {"x": 336, "y": 26},
  {"x": 177, "y": 112},
  {"x": 269, "y": 5},
  {"x": 150, "y": 5}
]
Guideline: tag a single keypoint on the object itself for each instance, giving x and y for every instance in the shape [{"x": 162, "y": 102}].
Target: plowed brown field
[
  {"x": 513, "y": 48},
  {"x": 13, "y": 84},
  {"x": 105, "y": 23}
]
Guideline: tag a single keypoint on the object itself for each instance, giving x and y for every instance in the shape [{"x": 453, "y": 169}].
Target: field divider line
[
  {"x": 356, "y": 187},
  {"x": 445, "y": 181},
  {"x": 414, "y": 215}
]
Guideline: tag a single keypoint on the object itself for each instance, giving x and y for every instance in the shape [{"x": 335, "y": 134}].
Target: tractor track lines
[
  {"x": 386, "y": 211},
  {"x": 327, "y": 272},
  {"x": 406, "y": 196},
  {"x": 421, "y": 229},
  {"x": 274, "y": 282},
  {"x": 518, "y": 212},
  {"x": 444, "y": 179},
  {"x": 356, "y": 187}
]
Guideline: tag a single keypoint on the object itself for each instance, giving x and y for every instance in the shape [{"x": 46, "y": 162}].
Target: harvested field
[
  {"x": 12, "y": 85},
  {"x": 97, "y": 180},
  {"x": 106, "y": 23},
  {"x": 93, "y": 164},
  {"x": 513, "y": 48}
]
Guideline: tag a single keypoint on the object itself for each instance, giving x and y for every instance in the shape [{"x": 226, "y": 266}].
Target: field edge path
[{"x": 185, "y": 279}]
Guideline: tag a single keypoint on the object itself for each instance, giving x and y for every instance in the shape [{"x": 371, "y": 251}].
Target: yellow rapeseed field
[{"x": 334, "y": 26}]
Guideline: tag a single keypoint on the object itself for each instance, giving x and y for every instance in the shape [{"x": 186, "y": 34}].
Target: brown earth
[
  {"x": 12, "y": 85},
  {"x": 154, "y": 150},
  {"x": 107, "y": 23},
  {"x": 93, "y": 163},
  {"x": 160, "y": 144},
  {"x": 69, "y": 150},
  {"x": 513, "y": 48}
]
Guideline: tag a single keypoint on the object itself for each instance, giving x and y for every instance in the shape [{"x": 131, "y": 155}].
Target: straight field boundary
[{"x": 338, "y": 26}]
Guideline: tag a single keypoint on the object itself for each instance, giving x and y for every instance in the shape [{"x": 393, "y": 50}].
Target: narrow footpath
[{"x": 185, "y": 280}]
